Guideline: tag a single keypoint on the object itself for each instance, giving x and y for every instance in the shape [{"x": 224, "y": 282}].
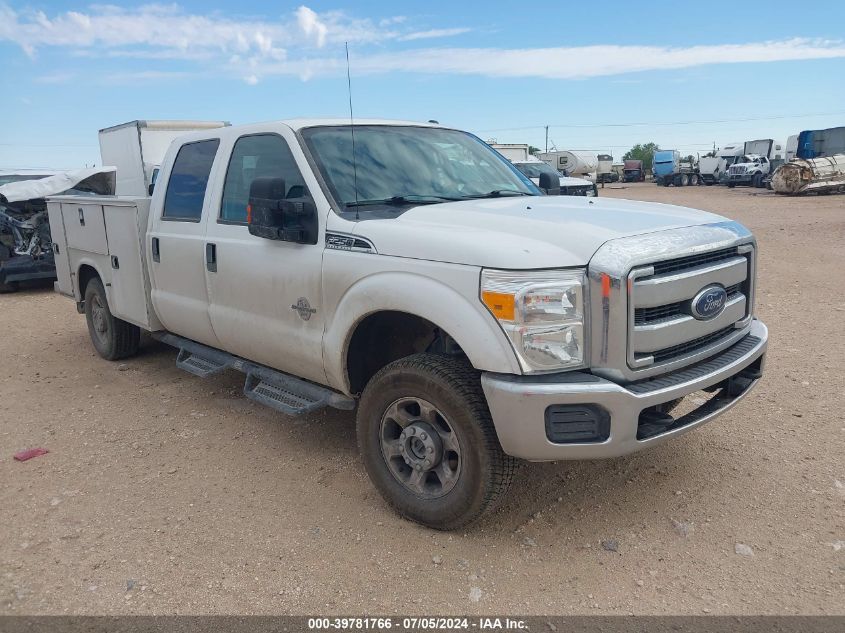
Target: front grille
[
  {"x": 692, "y": 346},
  {"x": 656, "y": 314},
  {"x": 662, "y": 327},
  {"x": 683, "y": 263}
]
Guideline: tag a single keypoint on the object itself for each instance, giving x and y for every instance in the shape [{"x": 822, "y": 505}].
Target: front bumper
[{"x": 519, "y": 404}]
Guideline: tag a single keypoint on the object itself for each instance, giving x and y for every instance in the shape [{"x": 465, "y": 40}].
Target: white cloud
[
  {"x": 563, "y": 62},
  {"x": 431, "y": 33},
  {"x": 308, "y": 44},
  {"x": 168, "y": 32},
  {"x": 311, "y": 25}
]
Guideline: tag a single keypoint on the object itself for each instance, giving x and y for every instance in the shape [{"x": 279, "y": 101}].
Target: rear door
[
  {"x": 265, "y": 294},
  {"x": 177, "y": 244}
]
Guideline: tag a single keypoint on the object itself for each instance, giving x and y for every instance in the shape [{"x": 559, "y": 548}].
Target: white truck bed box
[{"x": 106, "y": 233}]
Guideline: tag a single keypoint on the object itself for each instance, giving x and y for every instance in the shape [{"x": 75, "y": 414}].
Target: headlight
[{"x": 542, "y": 313}]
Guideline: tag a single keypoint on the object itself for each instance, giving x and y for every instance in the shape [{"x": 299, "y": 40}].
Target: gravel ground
[{"x": 163, "y": 493}]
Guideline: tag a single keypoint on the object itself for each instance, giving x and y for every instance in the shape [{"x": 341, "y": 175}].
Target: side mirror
[
  {"x": 550, "y": 183},
  {"x": 274, "y": 217}
]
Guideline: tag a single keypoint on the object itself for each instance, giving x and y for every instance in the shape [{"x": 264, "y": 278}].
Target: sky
[{"x": 602, "y": 76}]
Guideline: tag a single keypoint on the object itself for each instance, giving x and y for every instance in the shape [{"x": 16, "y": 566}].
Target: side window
[
  {"x": 188, "y": 179},
  {"x": 259, "y": 156}
]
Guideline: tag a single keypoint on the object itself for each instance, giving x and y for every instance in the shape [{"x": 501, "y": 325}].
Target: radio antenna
[{"x": 352, "y": 130}]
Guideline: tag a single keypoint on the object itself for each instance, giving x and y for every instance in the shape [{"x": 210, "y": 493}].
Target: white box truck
[
  {"x": 514, "y": 152},
  {"x": 137, "y": 148}
]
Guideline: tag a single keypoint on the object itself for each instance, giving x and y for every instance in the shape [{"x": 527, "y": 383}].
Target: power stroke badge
[{"x": 303, "y": 308}]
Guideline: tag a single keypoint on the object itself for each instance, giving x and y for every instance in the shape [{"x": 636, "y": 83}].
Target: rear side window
[
  {"x": 258, "y": 156},
  {"x": 188, "y": 180}
]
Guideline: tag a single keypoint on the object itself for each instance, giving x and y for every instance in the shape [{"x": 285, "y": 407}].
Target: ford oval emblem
[{"x": 709, "y": 303}]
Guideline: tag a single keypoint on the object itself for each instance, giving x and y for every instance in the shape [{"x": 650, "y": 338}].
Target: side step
[
  {"x": 272, "y": 388},
  {"x": 198, "y": 365},
  {"x": 285, "y": 393}
]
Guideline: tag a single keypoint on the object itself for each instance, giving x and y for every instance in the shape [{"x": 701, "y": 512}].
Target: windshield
[
  {"x": 533, "y": 170},
  {"x": 410, "y": 165}
]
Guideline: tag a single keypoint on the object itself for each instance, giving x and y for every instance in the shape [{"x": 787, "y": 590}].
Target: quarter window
[
  {"x": 258, "y": 156},
  {"x": 188, "y": 180}
]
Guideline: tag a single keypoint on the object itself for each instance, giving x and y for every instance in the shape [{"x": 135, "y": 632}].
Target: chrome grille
[
  {"x": 692, "y": 346},
  {"x": 646, "y": 316},
  {"x": 662, "y": 327},
  {"x": 691, "y": 261}
]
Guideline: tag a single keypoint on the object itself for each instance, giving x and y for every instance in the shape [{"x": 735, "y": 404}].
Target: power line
[{"x": 661, "y": 123}]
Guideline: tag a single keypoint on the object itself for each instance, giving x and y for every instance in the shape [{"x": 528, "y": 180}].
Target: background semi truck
[
  {"x": 714, "y": 169},
  {"x": 670, "y": 169},
  {"x": 571, "y": 330},
  {"x": 633, "y": 171}
]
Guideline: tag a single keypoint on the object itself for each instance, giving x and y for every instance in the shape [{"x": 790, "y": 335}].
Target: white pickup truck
[{"x": 421, "y": 278}]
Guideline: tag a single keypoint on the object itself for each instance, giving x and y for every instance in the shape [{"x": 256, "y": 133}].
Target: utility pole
[{"x": 547, "y": 139}]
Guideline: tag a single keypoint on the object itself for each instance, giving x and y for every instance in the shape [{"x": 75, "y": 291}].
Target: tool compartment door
[
  {"x": 85, "y": 227},
  {"x": 64, "y": 283},
  {"x": 125, "y": 224}
]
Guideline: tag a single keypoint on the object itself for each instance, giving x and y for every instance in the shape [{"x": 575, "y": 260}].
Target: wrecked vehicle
[
  {"x": 814, "y": 175},
  {"x": 26, "y": 249}
]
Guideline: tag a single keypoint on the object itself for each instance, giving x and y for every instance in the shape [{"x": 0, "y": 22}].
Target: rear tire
[
  {"x": 428, "y": 442},
  {"x": 684, "y": 180},
  {"x": 112, "y": 338},
  {"x": 693, "y": 180}
]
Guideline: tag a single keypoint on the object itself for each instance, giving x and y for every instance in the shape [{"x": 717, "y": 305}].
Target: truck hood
[{"x": 522, "y": 232}]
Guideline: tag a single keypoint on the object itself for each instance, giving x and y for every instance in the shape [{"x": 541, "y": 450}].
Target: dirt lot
[{"x": 164, "y": 493}]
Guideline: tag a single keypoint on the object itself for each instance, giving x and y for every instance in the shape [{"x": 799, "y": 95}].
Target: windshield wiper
[
  {"x": 498, "y": 193},
  {"x": 402, "y": 200}
]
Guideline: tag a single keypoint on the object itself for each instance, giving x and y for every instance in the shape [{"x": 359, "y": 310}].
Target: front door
[
  {"x": 177, "y": 246},
  {"x": 264, "y": 295}
]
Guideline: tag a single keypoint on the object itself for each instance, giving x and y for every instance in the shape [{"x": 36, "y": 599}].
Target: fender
[
  {"x": 466, "y": 321},
  {"x": 103, "y": 271}
]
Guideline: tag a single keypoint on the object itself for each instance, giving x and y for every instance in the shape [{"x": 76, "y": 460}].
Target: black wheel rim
[
  {"x": 420, "y": 447},
  {"x": 99, "y": 319}
]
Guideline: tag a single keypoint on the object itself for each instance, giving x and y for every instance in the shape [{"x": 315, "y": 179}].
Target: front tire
[
  {"x": 428, "y": 442},
  {"x": 112, "y": 338}
]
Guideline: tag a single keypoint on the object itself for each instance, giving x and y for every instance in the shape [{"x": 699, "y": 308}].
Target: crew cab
[{"x": 409, "y": 271}]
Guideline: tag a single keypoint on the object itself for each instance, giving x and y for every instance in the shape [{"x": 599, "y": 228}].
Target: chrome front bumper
[{"x": 519, "y": 404}]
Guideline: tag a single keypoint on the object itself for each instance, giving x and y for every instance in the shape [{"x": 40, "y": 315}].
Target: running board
[
  {"x": 199, "y": 365},
  {"x": 277, "y": 390}
]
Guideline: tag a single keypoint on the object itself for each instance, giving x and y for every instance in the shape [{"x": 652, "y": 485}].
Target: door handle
[
  {"x": 156, "y": 251},
  {"x": 81, "y": 217},
  {"x": 211, "y": 257}
]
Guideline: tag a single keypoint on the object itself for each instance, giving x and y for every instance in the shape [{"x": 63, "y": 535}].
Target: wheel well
[
  {"x": 384, "y": 337},
  {"x": 86, "y": 274}
]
